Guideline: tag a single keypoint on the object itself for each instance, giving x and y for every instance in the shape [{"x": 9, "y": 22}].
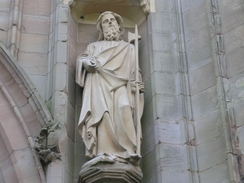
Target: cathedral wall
[{"x": 191, "y": 57}]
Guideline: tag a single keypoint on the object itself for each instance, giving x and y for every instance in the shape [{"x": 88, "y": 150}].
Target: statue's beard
[{"x": 113, "y": 34}]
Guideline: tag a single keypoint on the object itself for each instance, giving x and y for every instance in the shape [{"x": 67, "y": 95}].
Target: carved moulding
[
  {"x": 107, "y": 168},
  {"x": 132, "y": 11}
]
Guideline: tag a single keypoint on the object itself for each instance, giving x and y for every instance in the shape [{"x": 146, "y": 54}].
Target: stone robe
[{"x": 106, "y": 121}]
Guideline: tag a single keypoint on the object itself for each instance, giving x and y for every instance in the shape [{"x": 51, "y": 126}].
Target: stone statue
[{"x": 106, "y": 71}]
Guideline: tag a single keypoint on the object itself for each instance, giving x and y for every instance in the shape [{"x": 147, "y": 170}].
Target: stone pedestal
[{"x": 110, "y": 169}]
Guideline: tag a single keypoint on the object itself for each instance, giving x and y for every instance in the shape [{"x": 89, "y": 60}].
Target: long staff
[{"x": 137, "y": 95}]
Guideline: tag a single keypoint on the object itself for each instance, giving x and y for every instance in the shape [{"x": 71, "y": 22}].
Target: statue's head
[{"x": 110, "y": 26}]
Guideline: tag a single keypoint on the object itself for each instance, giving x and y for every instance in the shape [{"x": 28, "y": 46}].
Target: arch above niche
[{"x": 132, "y": 11}]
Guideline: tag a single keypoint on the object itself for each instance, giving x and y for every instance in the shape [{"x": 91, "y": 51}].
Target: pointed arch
[{"x": 22, "y": 116}]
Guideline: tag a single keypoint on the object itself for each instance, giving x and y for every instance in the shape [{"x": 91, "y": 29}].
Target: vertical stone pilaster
[
  {"x": 61, "y": 85},
  {"x": 223, "y": 89}
]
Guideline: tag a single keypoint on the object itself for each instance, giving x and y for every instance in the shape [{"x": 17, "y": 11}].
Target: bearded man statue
[{"x": 106, "y": 71}]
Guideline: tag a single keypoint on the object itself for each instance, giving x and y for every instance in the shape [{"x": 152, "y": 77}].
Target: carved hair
[{"x": 99, "y": 24}]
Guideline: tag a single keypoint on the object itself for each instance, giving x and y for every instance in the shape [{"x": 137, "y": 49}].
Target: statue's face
[{"x": 109, "y": 21}]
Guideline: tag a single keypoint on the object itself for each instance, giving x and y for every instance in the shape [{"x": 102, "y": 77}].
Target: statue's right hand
[{"x": 90, "y": 64}]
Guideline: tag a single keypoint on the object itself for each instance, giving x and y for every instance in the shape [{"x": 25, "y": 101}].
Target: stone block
[
  {"x": 196, "y": 16},
  {"x": 208, "y": 127},
  {"x": 240, "y": 134},
  {"x": 205, "y": 102},
  {"x": 163, "y": 83},
  {"x": 199, "y": 57},
  {"x": 231, "y": 17},
  {"x": 69, "y": 157},
  {"x": 34, "y": 43},
  {"x": 9, "y": 127},
  {"x": 162, "y": 6},
  {"x": 60, "y": 103},
  {"x": 197, "y": 37},
  {"x": 216, "y": 174},
  {"x": 54, "y": 171},
  {"x": 79, "y": 160},
  {"x": 174, "y": 176},
  {"x": 192, "y": 158},
  {"x": 30, "y": 7},
  {"x": 148, "y": 90},
  {"x": 191, "y": 4},
  {"x": 24, "y": 165},
  {"x": 4, "y": 37},
  {"x": 8, "y": 171},
  {"x": 171, "y": 157},
  {"x": 72, "y": 24},
  {"x": 63, "y": 14},
  {"x": 60, "y": 52},
  {"x": 234, "y": 39},
  {"x": 166, "y": 107},
  {"x": 149, "y": 114},
  {"x": 31, "y": 120},
  {"x": 238, "y": 113},
  {"x": 87, "y": 33},
  {"x": 71, "y": 86},
  {"x": 144, "y": 62},
  {"x": 33, "y": 63},
  {"x": 160, "y": 22},
  {"x": 61, "y": 32},
  {"x": 71, "y": 127},
  {"x": 168, "y": 132},
  {"x": 234, "y": 61},
  {"x": 3, "y": 151},
  {"x": 161, "y": 42},
  {"x": 164, "y": 62},
  {"x": 5, "y": 5},
  {"x": 202, "y": 78},
  {"x": 4, "y": 20},
  {"x": 72, "y": 56},
  {"x": 44, "y": 7},
  {"x": 60, "y": 75},
  {"x": 40, "y": 83},
  {"x": 148, "y": 140},
  {"x": 211, "y": 153},
  {"x": 149, "y": 165},
  {"x": 35, "y": 24}
]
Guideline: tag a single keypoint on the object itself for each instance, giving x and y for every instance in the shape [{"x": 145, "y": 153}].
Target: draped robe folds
[{"x": 106, "y": 121}]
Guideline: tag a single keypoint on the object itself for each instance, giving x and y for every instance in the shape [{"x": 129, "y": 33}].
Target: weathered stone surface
[
  {"x": 217, "y": 173},
  {"x": 44, "y": 7},
  {"x": 35, "y": 24},
  {"x": 234, "y": 39},
  {"x": 198, "y": 37},
  {"x": 208, "y": 127},
  {"x": 234, "y": 62},
  {"x": 163, "y": 83},
  {"x": 211, "y": 153},
  {"x": 40, "y": 83},
  {"x": 34, "y": 43},
  {"x": 38, "y": 64},
  {"x": 167, "y": 107},
  {"x": 231, "y": 14},
  {"x": 4, "y": 20},
  {"x": 202, "y": 78},
  {"x": 199, "y": 57},
  {"x": 204, "y": 102}
]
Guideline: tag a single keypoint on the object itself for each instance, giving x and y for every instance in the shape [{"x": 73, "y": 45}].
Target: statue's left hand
[{"x": 141, "y": 86}]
